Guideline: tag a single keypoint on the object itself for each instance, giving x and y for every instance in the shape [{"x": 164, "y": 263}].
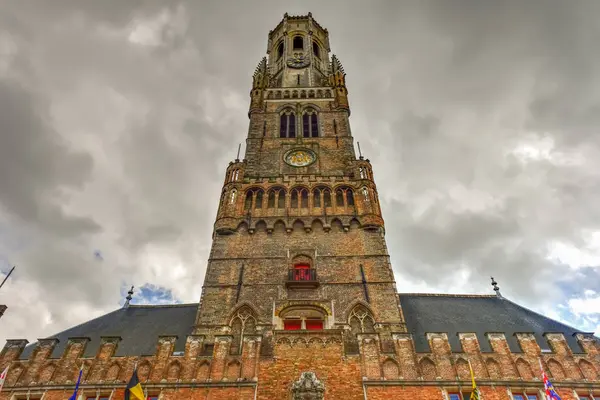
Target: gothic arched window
[
  {"x": 299, "y": 198},
  {"x": 259, "y": 199},
  {"x": 361, "y": 320},
  {"x": 243, "y": 322},
  {"x": 248, "y": 201},
  {"x": 280, "y": 50},
  {"x": 316, "y": 50},
  {"x": 310, "y": 123},
  {"x": 298, "y": 43},
  {"x": 287, "y": 124},
  {"x": 276, "y": 198},
  {"x": 344, "y": 197}
]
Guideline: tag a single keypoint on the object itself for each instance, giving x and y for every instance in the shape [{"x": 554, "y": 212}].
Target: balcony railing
[{"x": 302, "y": 278}]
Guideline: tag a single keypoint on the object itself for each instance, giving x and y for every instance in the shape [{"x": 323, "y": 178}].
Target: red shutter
[
  {"x": 314, "y": 324},
  {"x": 292, "y": 325}
]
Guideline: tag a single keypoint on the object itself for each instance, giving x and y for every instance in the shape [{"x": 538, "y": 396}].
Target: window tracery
[
  {"x": 310, "y": 123},
  {"x": 361, "y": 320},
  {"x": 243, "y": 322},
  {"x": 287, "y": 124}
]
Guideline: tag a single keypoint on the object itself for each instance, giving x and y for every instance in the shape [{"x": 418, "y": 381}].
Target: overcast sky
[{"x": 118, "y": 119}]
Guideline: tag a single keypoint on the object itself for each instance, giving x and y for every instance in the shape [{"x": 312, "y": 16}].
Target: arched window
[
  {"x": 339, "y": 198},
  {"x": 365, "y": 192},
  {"x": 299, "y": 198},
  {"x": 280, "y": 50},
  {"x": 233, "y": 195},
  {"x": 298, "y": 43},
  {"x": 236, "y": 174},
  {"x": 317, "y": 198},
  {"x": 361, "y": 320},
  {"x": 248, "y": 201},
  {"x": 243, "y": 322},
  {"x": 287, "y": 124},
  {"x": 259, "y": 199},
  {"x": 316, "y": 50},
  {"x": 327, "y": 198},
  {"x": 344, "y": 197},
  {"x": 276, "y": 198},
  {"x": 310, "y": 123},
  {"x": 350, "y": 197}
]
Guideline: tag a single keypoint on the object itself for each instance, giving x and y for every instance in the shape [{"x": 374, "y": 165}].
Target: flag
[
  {"x": 3, "y": 377},
  {"x": 475, "y": 392},
  {"x": 134, "y": 388},
  {"x": 74, "y": 396},
  {"x": 552, "y": 395}
]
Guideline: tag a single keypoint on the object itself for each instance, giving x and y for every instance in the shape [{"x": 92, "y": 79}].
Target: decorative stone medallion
[
  {"x": 308, "y": 387},
  {"x": 298, "y": 60},
  {"x": 300, "y": 157}
]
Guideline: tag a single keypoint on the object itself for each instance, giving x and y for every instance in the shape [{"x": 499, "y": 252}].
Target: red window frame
[
  {"x": 301, "y": 272},
  {"x": 292, "y": 324},
  {"x": 314, "y": 324}
]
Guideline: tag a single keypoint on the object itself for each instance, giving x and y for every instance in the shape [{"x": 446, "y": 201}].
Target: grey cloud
[{"x": 134, "y": 139}]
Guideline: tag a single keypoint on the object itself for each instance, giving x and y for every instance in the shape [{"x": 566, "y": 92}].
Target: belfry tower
[{"x": 299, "y": 243}]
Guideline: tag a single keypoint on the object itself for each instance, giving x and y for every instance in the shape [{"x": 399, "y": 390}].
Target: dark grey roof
[
  {"x": 455, "y": 314},
  {"x": 138, "y": 326}
]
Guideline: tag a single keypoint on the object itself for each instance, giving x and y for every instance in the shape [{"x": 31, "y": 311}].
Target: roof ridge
[
  {"x": 163, "y": 305},
  {"x": 449, "y": 295}
]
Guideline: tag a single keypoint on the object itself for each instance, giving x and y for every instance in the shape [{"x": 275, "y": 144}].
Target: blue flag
[{"x": 74, "y": 397}]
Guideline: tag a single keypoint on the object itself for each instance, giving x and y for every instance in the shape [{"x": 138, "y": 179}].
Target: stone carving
[{"x": 308, "y": 387}]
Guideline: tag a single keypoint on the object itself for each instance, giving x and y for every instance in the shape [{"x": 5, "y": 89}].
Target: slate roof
[
  {"x": 139, "y": 327},
  {"x": 477, "y": 314}
]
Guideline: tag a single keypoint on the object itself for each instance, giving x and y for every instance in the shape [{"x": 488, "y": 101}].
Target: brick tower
[{"x": 299, "y": 239}]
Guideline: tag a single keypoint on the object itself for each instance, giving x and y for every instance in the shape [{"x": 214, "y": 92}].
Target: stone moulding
[{"x": 308, "y": 387}]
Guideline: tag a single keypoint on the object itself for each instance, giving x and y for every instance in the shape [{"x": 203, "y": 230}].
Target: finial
[
  {"x": 128, "y": 298},
  {"x": 496, "y": 288},
  {"x": 359, "y": 152},
  {"x": 237, "y": 159}
]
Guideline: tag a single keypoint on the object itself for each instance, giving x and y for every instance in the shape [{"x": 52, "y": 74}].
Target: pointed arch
[
  {"x": 556, "y": 369},
  {"x": 588, "y": 370},
  {"x": 203, "y": 372},
  {"x": 525, "y": 371},
  {"x": 462, "y": 369},
  {"x": 112, "y": 374},
  {"x": 428, "y": 369},
  {"x": 243, "y": 321},
  {"x": 144, "y": 370},
  {"x": 173, "y": 371},
  {"x": 233, "y": 370},
  {"x": 391, "y": 370},
  {"x": 493, "y": 368},
  {"x": 361, "y": 320}
]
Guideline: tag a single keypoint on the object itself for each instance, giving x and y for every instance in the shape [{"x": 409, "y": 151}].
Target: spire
[
  {"x": 336, "y": 65},
  {"x": 260, "y": 77},
  {"x": 128, "y": 298},
  {"x": 496, "y": 288}
]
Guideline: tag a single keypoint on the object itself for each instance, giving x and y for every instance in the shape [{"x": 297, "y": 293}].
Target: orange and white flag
[{"x": 3, "y": 377}]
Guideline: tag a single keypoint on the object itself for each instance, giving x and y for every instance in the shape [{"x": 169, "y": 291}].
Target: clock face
[
  {"x": 300, "y": 157},
  {"x": 298, "y": 61}
]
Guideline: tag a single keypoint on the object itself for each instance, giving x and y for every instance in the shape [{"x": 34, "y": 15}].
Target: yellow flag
[
  {"x": 475, "y": 392},
  {"x": 134, "y": 388}
]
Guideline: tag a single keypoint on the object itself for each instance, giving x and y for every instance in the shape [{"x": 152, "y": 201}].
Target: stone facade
[{"x": 299, "y": 242}]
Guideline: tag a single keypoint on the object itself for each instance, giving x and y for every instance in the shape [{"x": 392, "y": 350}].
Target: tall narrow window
[
  {"x": 248, "y": 202},
  {"x": 271, "y": 201},
  {"x": 350, "y": 197},
  {"x": 294, "y": 199},
  {"x": 280, "y": 50},
  {"x": 365, "y": 193},
  {"x": 314, "y": 127},
  {"x": 287, "y": 125},
  {"x": 339, "y": 198},
  {"x": 316, "y": 50},
  {"x": 304, "y": 198},
  {"x": 310, "y": 124},
  {"x": 259, "y": 199},
  {"x": 281, "y": 199},
  {"x": 327, "y": 198},
  {"x": 298, "y": 43},
  {"x": 317, "y": 198},
  {"x": 233, "y": 194}
]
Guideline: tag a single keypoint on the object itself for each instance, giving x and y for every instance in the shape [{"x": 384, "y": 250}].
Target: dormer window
[{"x": 298, "y": 43}]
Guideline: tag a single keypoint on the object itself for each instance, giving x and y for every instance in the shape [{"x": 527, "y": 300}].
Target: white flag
[{"x": 3, "y": 377}]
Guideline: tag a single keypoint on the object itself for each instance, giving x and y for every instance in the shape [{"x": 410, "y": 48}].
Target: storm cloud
[{"x": 118, "y": 119}]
